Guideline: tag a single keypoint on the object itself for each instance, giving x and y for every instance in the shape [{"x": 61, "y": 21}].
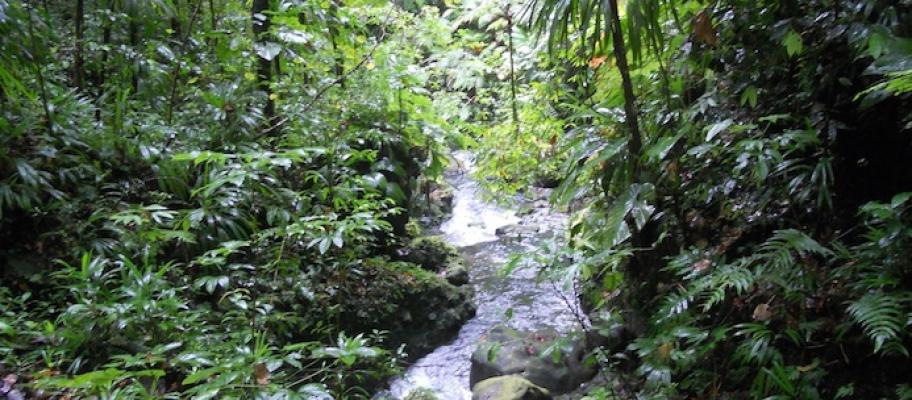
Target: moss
[
  {"x": 407, "y": 268},
  {"x": 413, "y": 228}
]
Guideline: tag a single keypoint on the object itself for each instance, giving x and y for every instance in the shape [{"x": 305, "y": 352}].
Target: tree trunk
[
  {"x": 134, "y": 43},
  {"x": 635, "y": 141},
  {"x": 213, "y": 20},
  {"x": 102, "y": 72},
  {"x": 176, "y": 22},
  {"x": 333, "y": 37},
  {"x": 512, "y": 72},
  {"x": 180, "y": 49},
  {"x": 78, "y": 73},
  {"x": 640, "y": 271},
  {"x": 264, "y": 67}
]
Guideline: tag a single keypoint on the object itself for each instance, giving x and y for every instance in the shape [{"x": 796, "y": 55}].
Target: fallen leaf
[
  {"x": 807, "y": 368},
  {"x": 762, "y": 312},
  {"x": 704, "y": 30},
  {"x": 261, "y": 373}
]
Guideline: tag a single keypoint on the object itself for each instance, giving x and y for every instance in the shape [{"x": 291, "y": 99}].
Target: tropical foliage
[
  {"x": 209, "y": 199},
  {"x": 745, "y": 229}
]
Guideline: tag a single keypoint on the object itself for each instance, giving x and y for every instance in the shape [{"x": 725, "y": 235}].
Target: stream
[{"x": 473, "y": 228}]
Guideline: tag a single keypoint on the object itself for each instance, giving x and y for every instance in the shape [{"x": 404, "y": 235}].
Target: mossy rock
[
  {"x": 421, "y": 394},
  {"x": 417, "y": 307},
  {"x": 432, "y": 253},
  {"x": 509, "y": 387}
]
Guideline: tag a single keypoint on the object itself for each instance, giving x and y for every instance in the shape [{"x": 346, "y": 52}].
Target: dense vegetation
[{"x": 220, "y": 199}]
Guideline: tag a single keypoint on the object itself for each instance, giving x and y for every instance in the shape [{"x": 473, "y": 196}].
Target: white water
[
  {"x": 534, "y": 304},
  {"x": 474, "y": 220}
]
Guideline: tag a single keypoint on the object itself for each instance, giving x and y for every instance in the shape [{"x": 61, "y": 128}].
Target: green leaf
[
  {"x": 660, "y": 149},
  {"x": 492, "y": 352},
  {"x": 749, "y": 96},
  {"x": 323, "y": 247},
  {"x": 793, "y": 43},
  {"x": 900, "y": 199},
  {"x": 394, "y": 191},
  {"x": 201, "y": 375},
  {"x": 267, "y": 50},
  {"x": 717, "y": 128}
]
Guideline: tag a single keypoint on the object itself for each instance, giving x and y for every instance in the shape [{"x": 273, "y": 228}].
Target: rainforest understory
[{"x": 230, "y": 199}]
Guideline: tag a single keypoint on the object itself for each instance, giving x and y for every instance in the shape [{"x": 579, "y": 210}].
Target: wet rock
[
  {"x": 443, "y": 197},
  {"x": 592, "y": 388},
  {"x": 383, "y": 395},
  {"x": 8, "y": 391},
  {"x": 543, "y": 357},
  {"x": 517, "y": 231},
  {"x": 509, "y": 387},
  {"x": 524, "y": 210},
  {"x": 457, "y": 274}
]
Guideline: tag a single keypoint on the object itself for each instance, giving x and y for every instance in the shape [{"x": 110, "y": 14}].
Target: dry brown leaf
[
  {"x": 762, "y": 312},
  {"x": 595, "y": 62},
  {"x": 704, "y": 30},
  {"x": 665, "y": 350},
  {"x": 261, "y": 373},
  {"x": 702, "y": 265},
  {"x": 672, "y": 169}
]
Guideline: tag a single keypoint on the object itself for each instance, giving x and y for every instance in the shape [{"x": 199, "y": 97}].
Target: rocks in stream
[
  {"x": 435, "y": 201},
  {"x": 545, "y": 358},
  {"x": 422, "y": 299},
  {"x": 509, "y": 387},
  {"x": 517, "y": 231}
]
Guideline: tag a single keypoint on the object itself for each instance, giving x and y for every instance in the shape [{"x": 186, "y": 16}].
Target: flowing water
[{"x": 534, "y": 304}]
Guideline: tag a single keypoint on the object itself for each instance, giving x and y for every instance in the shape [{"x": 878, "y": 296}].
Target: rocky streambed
[{"x": 525, "y": 339}]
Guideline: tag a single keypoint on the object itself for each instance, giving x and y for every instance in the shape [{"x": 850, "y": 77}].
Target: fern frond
[
  {"x": 780, "y": 247},
  {"x": 882, "y": 317},
  {"x": 729, "y": 277}
]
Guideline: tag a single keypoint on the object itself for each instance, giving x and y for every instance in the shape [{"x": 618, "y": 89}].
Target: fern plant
[{"x": 878, "y": 272}]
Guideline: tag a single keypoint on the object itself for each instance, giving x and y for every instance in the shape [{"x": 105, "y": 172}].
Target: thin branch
[
  {"x": 175, "y": 77},
  {"x": 344, "y": 76}
]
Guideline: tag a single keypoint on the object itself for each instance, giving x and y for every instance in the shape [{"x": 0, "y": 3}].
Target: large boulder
[
  {"x": 509, "y": 387},
  {"x": 419, "y": 308},
  {"x": 544, "y": 357}
]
